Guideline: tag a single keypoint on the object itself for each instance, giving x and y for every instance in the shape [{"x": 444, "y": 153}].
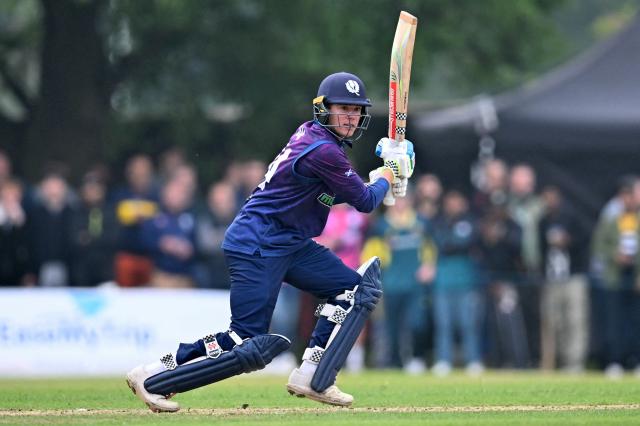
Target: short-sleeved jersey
[{"x": 291, "y": 204}]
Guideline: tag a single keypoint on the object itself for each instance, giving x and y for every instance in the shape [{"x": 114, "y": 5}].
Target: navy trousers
[{"x": 256, "y": 281}]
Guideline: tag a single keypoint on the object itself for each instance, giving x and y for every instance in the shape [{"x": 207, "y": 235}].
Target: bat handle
[{"x": 389, "y": 199}]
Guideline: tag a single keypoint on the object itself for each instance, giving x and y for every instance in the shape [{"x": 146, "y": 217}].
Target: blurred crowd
[
  {"x": 155, "y": 228},
  {"x": 504, "y": 276}
]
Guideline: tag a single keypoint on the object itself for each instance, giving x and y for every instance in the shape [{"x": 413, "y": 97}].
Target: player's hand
[
  {"x": 389, "y": 149},
  {"x": 399, "y": 187},
  {"x": 401, "y": 165},
  {"x": 386, "y": 147},
  {"x": 412, "y": 158},
  {"x": 379, "y": 173}
]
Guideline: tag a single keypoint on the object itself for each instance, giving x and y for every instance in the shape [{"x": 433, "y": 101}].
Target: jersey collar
[{"x": 340, "y": 142}]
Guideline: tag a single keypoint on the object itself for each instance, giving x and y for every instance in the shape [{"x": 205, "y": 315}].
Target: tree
[{"x": 231, "y": 78}]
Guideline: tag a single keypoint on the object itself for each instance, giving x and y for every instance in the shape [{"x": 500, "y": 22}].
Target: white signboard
[{"x": 102, "y": 331}]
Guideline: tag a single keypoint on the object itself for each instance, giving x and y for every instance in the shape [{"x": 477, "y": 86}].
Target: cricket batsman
[{"x": 270, "y": 241}]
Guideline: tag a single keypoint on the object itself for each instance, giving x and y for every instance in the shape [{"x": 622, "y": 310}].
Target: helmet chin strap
[
  {"x": 349, "y": 140},
  {"x": 343, "y": 139}
]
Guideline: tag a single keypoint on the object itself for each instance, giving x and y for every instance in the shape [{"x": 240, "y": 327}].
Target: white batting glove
[
  {"x": 378, "y": 173},
  {"x": 399, "y": 187},
  {"x": 402, "y": 165},
  {"x": 402, "y": 152}
]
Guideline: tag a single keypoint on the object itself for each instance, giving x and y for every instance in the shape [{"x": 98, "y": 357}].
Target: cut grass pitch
[{"x": 389, "y": 398}]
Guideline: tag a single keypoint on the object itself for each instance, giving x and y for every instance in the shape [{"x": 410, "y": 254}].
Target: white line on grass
[{"x": 258, "y": 411}]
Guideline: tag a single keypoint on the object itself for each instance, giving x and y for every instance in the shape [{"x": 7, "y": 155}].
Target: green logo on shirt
[{"x": 326, "y": 199}]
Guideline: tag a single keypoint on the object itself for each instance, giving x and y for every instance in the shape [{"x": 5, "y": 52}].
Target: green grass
[{"x": 387, "y": 398}]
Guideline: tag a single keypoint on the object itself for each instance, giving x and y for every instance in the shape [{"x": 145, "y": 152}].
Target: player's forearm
[{"x": 371, "y": 197}]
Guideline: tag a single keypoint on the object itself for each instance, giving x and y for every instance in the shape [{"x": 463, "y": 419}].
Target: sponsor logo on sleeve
[{"x": 326, "y": 199}]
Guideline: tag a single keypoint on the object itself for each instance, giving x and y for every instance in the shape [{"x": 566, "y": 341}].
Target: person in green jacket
[
  {"x": 615, "y": 248},
  {"x": 406, "y": 254}
]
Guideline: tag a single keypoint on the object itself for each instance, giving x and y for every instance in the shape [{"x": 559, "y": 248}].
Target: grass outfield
[{"x": 388, "y": 398}]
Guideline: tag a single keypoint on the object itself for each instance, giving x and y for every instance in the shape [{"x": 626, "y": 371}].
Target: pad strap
[
  {"x": 313, "y": 355},
  {"x": 169, "y": 361},
  {"x": 334, "y": 313},
  {"x": 348, "y": 295},
  {"x": 234, "y": 336},
  {"x": 213, "y": 349},
  {"x": 254, "y": 354},
  {"x": 211, "y": 346}
]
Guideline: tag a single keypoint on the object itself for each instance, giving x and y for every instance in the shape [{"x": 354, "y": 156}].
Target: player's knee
[
  {"x": 368, "y": 297},
  {"x": 370, "y": 287}
]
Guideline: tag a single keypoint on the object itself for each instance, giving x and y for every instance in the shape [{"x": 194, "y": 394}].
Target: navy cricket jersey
[{"x": 292, "y": 203}]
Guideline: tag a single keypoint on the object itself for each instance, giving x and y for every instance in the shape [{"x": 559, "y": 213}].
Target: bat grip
[{"x": 389, "y": 199}]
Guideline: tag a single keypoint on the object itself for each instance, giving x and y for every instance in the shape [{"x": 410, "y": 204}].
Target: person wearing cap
[{"x": 270, "y": 241}]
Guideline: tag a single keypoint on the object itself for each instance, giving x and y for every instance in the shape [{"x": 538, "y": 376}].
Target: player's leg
[
  {"x": 245, "y": 347},
  {"x": 351, "y": 296}
]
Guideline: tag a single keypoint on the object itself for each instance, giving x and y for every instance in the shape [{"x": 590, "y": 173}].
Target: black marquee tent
[{"x": 578, "y": 125}]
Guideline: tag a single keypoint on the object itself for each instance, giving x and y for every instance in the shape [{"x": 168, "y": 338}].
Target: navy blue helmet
[{"x": 345, "y": 89}]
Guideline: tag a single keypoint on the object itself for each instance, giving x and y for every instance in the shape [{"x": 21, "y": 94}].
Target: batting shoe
[
  {"x": 156, "y": 403},
  {"x": 300, "y": 386}
]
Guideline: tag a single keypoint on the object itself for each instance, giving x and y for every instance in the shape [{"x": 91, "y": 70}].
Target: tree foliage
[{"x": 231, "y": 78}]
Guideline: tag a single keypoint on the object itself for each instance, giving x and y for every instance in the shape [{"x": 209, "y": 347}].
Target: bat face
[{"x": 400, "y": 74}]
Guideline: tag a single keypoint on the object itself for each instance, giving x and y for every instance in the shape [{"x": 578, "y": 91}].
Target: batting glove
[
  {"x": 399, "y": 187},
  {"x": 388, "y": 149},
  {"x": 378, "y": 173},
  {"x": 402, "y": 165}
]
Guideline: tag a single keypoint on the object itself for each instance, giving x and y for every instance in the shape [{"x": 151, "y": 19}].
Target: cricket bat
[{"x": 399, "y": 76}]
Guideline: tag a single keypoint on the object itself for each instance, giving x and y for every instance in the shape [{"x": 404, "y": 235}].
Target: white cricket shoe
[
  {"x": 156, "y": 403},
  {"x": 614, "y": 371},
  {"x": 415, "y": 366},
  {"x": 474, "y": 369},
  {"x": 441, "y": 369},
  {"x": 300, "y": 386}
]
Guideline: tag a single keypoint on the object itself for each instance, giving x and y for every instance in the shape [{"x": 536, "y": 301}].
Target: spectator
[
  {"x": 234, "y": 176},
  {"x": 14, "y": 248},
  {"x": 50, "y": 243},
  {"x": 169, "y": 237},
  {"x": 188, "y": 177},
  {"x": 526, "y": 208},
  {"x": 398, "y": 238},
  {"x": 171, "y": 160},
  {"x": 564, "y": 295},
  {"x": 500, "y": 248},
  {"x": 253, "y": 173},
  {"x": 457, "y": 301},
  {"x": 615, "y": 244},
  {"x": 134, "y": 203},
  {"x": 5, "y": 167},
  {"x": 212, "y": 223},
  {"x": 344, "y": 234},
  {"x": 428, "y": 193},
  {"x": 615, "y": 206},
  {"x": 492, "y": 186},
  {"x": 94, "y": 234}
]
